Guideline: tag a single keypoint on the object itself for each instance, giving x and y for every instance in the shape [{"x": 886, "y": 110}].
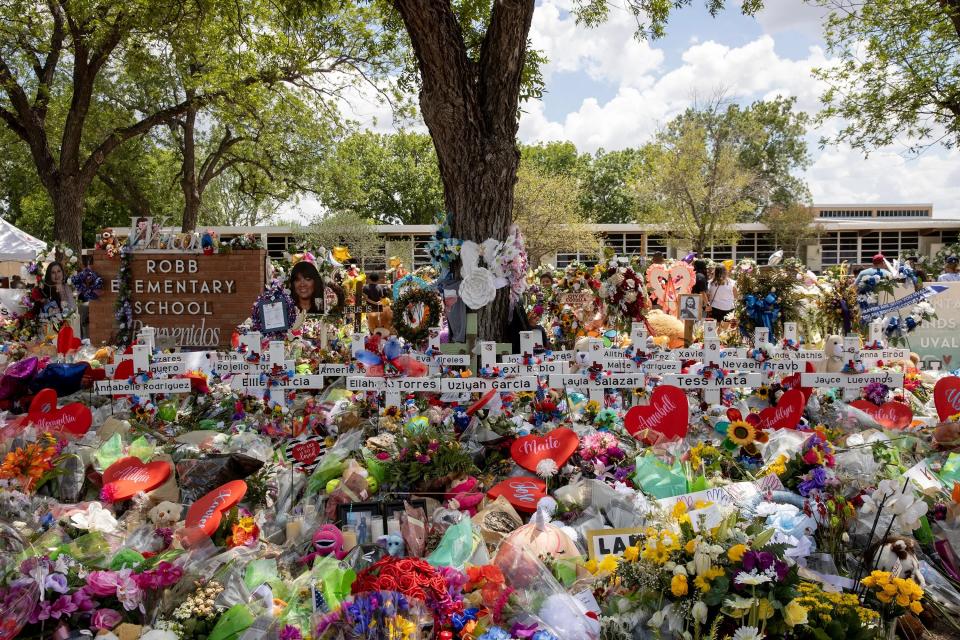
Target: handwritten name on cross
[{"x": 851, "y": 383}]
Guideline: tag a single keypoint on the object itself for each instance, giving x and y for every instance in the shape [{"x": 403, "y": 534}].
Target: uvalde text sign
[{"x": 192, "y": 300}]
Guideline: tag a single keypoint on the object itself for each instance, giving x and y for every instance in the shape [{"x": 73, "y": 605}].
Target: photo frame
[
  {"x": 365, "y": 518},
  {"x": 307, "y": 287},
  {"x": 274, "y": 313},
  {"x": 691, "y": 306},
  {"x": 141, "y": 232}
]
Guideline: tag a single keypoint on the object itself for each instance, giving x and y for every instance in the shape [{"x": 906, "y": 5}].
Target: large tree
[
  {"x": 697, "y": 190},
  {"x": 387, "y": 178},
  {"x": 792, "y": 227},
  {"x": 470, "y": 57},
  {"x": 897, "y": 72},
  {"x": 62, "y": 61},
  {"x": 547, "y": 210},
  {"x": 607, "y": 193}
]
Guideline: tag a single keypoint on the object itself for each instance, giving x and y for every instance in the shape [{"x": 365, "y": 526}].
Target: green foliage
[
  {"x": 427, "y": 461},
  {"x": 896, "y": 76},
  {"x": 651, "y": 15},
  {"x": 607, "y": 193},
  {"x": 791, "y": 226},
  {"x": 388, "y": 178}
]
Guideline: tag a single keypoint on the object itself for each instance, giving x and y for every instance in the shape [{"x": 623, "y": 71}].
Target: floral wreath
[
  {"x": 87, "y": 283},
  {"x": 622, "y": 290},
  {"x": 431, "y": 303}
]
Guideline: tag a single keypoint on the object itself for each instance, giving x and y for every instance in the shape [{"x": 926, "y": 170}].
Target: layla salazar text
[{"x": 175, "y": 307}]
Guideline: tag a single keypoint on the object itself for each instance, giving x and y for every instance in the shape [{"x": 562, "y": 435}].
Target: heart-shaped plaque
[
  {"x": 74, "y": 418},
  {"x": 205, "y": 514},
  {"x": 306, "y": 453},
  {"x": 66, "y": 341},
  {"x": 523, "y": 493},
  {"x": 558, "y": 445},
  {"x": 946, "y": 396},
  {"x": 787, "y": 412},
  {"x": 129, "y": 476},
  {"x": 890, "y": 415},
  {"x": 667, "y": 413}
]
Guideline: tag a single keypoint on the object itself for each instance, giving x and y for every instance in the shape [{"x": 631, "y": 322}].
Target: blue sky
[{"x": 605, "y": 89}]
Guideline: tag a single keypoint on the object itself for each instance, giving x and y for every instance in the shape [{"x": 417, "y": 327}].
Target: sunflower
[
  {"x": 762, "y": 392},
  {"x": 741, "y": 433}
]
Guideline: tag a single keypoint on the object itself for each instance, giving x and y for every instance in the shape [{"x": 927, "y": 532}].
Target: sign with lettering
[
  {"x": 946, "y": 396},
  {"x": 612, "y": 542},
  {"x": 523, "y": 492},
  {"x": 553, "y": 356},
  {"x": 713, "y": 382},
  {"x": 738, "y": 493},
  {"x": 206, "y": 513},
  {"x": 851, "y": 380},
  {"x": 125, "y": 387},
  {"x": 190, "y": 300},
  {"x": 473, "y": 385},
  {"x": 611, "y": 381},
  {"x": 408, "y": 385},
  {"x": 545, "y": 368},
  {"x": 557, "y": 445}
]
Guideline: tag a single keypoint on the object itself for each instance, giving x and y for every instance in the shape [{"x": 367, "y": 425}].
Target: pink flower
[
  {"x": 383, "y": 455},
  {"x": 102, "y": 583},
  {"x": 105, "y": 619},
  {"x": 128, "y": 593}
]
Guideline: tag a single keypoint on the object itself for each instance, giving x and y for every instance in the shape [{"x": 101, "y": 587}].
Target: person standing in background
[{"x": 721, "y": 294}]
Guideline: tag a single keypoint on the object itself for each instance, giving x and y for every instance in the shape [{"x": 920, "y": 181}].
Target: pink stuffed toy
[
  {"x": 327, "y": 540},
  {"x": 463, "y": 496}
]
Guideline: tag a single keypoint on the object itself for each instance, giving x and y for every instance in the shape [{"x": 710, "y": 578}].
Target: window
[
  {"x": 839, "y": 247},
  {"x": 845, "y": 213},
  {"x": 625, "y": 244},
  {"x": 890, "y": 243},
  {"x": 950, "y": 237},
  {"x": 421, "y": 257},
  {"x": 904, "y": 213},
  {"x": 719, "y": 252},
  {"x": 656, "y": 244},
  {"x": 564, "y": 259},
  {"x": 277, "y": 245}
]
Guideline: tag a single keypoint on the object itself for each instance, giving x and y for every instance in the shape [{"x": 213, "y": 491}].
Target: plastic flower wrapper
[
  {"x": 333, "y": 462},
  {"x": 857, "y": 462},
  {"x": 782, "y": 442},
  {"x": 376, "y": 615},
  {"x": 660, "y": 479},
  {"x": 456, "y": 546},
  {"x": 538, "y": 593}
]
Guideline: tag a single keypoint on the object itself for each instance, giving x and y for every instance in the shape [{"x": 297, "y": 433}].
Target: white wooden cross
[
  {"x": 851, "y": 383},
  {"x": 790, "y": 333},
  {"x": 276, "y": 355},
  {"x": 596, "y": 386},
  {"x": 141, "y": 364},
  {"x": 712, "y": 354},
  {"x": 872, "y": 355},
  {"x": 148, "y": 336},
  {"x": 761, "y": 336}
]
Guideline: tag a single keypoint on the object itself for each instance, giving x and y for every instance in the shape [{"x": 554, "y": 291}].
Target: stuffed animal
[
  {"x": 946, "y": 436},
  {"x": 464, "y": 496},
  {"x": 327, "y": 541},
  {"x": 165, "y": 514},
  {"x": 665, "y": 328},
  {"x": 897, "y": 555},
  {"x": 393, "y": 543},
  {"x": 107, "y": 242},
  {"x": 833, "y": 355}
]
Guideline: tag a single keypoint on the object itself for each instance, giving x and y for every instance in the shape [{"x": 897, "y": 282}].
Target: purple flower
[
  {"x": 816, "y": 480},
  {"x": 423, "y": 458},
  {"x": 289, "y": 632},
  {"x": 759, "y": 560},
  {"x": 63, "y": 606},
  {"x": 102, "y": 583},
  {"x": 40, "y": 612},
  {"x": 83, "y": 600},
  {"x": 56, "y": 582},
  {"x": 615, "y": 452},
  {"x": 782, "y": 569},
  {"x": 128, "y": 593},
  {"x": 105, "y": 619}
]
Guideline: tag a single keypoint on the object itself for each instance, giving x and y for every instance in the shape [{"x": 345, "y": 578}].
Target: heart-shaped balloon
[
  {"x": 523, "y": 493},
  {"x": 16, "y": 376},
  {"x": 946, "y": 396},
  {"x": 793, "y": 382},
  {"x": 129, "y": 476},
  {"x": 668, "y": 413},
  {"x": 74, "y": 419},
  {"x": 558, "y": 445},
  {"x": 682, "y": 276},
  {"x": 205, "y": 514},
  {"x": 890, "y": 415},
  {"x": 66, "y": 341},
  {"x": 787, "y": 412}
]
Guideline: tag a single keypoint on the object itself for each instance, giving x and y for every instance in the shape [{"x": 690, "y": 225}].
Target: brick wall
[{"x": 207, "y": 318}]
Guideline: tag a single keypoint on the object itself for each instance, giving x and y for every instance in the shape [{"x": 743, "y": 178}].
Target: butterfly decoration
[{"x": 387, "y": 359}]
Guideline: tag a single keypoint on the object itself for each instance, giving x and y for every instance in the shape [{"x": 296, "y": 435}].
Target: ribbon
[
  {"x": 461, "y": 619},
  {"x": 845, "y": 314},
  {"x": 523, "y": 630},
  {"x": 763, "y": 311}
]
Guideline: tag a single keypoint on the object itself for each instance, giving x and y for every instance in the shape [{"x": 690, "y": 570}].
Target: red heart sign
[
  {"x": 558, "y": 445},
  {"x": 787, "y": 413},
  {"x": 74, "y": 418},
  {"x": 66, "y": 342},
  {"x": 890, "y": 415},
  {"x": 946, "y": 396},
  {"x": 205, "y": 514},
  {"x": 793, "y": 382},
  {"x": 306, "y": 452},
  {"x": 667, "y": 413},
  {"x": 523, "y": 493},
  {"x": 129, "y": 476}
]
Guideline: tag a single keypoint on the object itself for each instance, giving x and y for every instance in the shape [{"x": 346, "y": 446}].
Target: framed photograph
[
  {"x": 274, "y": 313},
  {"x": 691, "y": 306},
  {"x": 363, "y": 518},
  {"x": 306, "y": 286},
  {"x": 394, "y": 508}
]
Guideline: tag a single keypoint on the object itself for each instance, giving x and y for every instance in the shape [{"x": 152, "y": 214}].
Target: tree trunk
[
  {"x": 188, "y": 180},
  {"x": 67, "y": 200},
  {"x": 471, "y": 108}
]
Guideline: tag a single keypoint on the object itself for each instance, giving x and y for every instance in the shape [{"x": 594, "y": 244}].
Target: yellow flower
[
  {"x": 764, "y": 609},
  {"x": 916, "y": 607},
  {"x": 794, "y": 613},
  {"x": 678, "y": 586},
  {"x": 701, "y": 582},
  {"x": 691, "y": 546},
  {"x": 680, "y": 512},
  {"x": 735, "y": 553},
  {"x": 608, "y": 564},
  {"x": 884, "y": 597},
  {"x": 631, "y": 554},
  {"x": 903, "y": 601},
  {"x": 741, "y": 433},
  {"x": 591, "y": 565}
]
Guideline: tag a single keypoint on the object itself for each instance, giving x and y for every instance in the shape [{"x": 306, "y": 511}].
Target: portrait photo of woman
[
  {"x": 56, "y": 288},
  {"x": 306, "y": 287}
]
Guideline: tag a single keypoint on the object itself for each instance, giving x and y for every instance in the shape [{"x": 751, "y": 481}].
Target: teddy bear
[
  {"x": 393, "y": 543},
  {"x": 897, "y": 555},
  {"x": 946, "y": 435},
  {"x": 464, "y": 495},
  {"x": 833, "y": 355},
  {"x": 165, "y": 514},
  {"x": 107, "y": 242},
  {"x": 665, "y": 328}
]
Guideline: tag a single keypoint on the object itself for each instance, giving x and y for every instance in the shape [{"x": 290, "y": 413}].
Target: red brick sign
[{"x": 193, "y": 300}]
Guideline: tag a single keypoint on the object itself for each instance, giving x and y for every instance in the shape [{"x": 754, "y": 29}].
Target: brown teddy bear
[
  {"x": 165, "y": 514},
  {"x": 665, "y": 328}
]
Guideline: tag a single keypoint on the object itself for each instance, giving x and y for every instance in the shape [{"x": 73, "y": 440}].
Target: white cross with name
[
  {"x": 851, "y": 383},
  {"x": 597, "y": 385},
  {"x": 712, "y": 386},
  {"x": 876, "y": 351},
  {"x": 141, "y": 364},
  {"x": 276, "y": 355}
]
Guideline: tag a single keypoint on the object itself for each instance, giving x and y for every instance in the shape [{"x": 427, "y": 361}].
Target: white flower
[
  {"x": 95, "y": 518},
  {"x": 679, "y": 570},
  {"x": 739, "y": 602},
  {"x": 751, "y": 578},
  {"x": 547, "y": 468},
  {"x": 899, "y": 500},
  {"x": 699, "y": 612},
  {"x": 630, "y": 296},
  {"x": 747, "y": 633},
  {"x": 478, "y": 288}
]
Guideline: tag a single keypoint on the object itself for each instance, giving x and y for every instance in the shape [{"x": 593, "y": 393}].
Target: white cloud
[{"x": 797, "y": 15}]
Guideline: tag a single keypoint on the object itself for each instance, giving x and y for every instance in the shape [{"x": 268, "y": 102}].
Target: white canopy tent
[{"x": 17, "y": 245}]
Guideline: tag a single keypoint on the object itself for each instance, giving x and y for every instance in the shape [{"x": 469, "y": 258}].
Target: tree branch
[{"x": 501, "y": 63}]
